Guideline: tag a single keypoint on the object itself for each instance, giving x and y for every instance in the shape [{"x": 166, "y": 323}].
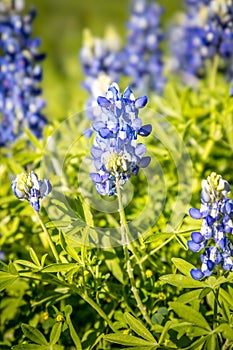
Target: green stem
[
  {"x": 213, "y": 73},
  {"x": 98, "y": 309},
  {"x": 125, "y": 234},
  {"x": 152, "y": 252},
  {"x": 51, "y": 244},
  {"x": 216, "y": 304}
]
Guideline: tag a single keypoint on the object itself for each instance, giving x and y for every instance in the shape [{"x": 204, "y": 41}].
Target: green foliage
[{"x": 86, "y": 300}]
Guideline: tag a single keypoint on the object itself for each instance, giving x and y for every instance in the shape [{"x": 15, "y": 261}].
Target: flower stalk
[{"x": 125, "y": 241}]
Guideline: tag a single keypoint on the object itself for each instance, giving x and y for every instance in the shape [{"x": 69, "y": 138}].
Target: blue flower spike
[
  {"x": 21, "y": 102},
  {"x": 142, "y": 54},
  {"x": 115, "y": 152},
  {"x": 26, "y": 186},
  {"x": 205, "y": 31},
  {"x": 213, "y": 239}
]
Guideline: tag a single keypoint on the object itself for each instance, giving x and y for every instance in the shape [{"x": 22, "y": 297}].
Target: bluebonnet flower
[
  {"x": 115, "y": 151},
  {"x": 100, "y": 56},
  {"x": 205, "y": 31},
  {"x": 143, "y": 56},
  {"x": 26, "y": 186},
  {"x": 102, "y": 64},
  {"x": 20, "y": 75},
  {"x": 216, "y": 212}
]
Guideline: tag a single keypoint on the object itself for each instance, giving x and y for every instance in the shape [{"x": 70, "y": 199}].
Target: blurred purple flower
[
  {"x": 143, "y": 56},
  {"x": 20, "y": 76}
]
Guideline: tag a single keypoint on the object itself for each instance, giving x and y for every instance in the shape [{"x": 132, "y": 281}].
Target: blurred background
[{"x": 60, "y": 25}]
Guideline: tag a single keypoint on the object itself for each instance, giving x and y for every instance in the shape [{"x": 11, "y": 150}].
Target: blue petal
[
  {"x": 140, "y": 150},
  {"x": 103, "y": 101},
  {"x": 144, "y": 162},
  {"x": 45, "y": 188},
  {"x": 128, "y": 94},
  {"x": 194, "y": 247},
  {"x": 88, "y": 133},
  {"x": 195, "y": 213},
  {"x": 98, "y": 125},
  {"x": 196, "y": 274},
  {"x": 105, "y": 133},
  {"x": 205, "y": 196},
  {"x": 141, "y": 102},
  {"x": 210, "y": 265},
  {"x": 96, "y": 152},
  {"x": 145, "y": 130},
  {"x": 210, "y": 220},
  {"x": 95, "y": 177},
  {"x": 197, "y": 237}
]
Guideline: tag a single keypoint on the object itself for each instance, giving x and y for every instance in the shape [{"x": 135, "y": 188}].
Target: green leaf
[
  {"x": 6, "y": 279},
  {"x": 33, "y": 334},
  {"x": 34, "y": 257},
  {"x": 182, "y": 241},
  {"x": 113, "y": 263},
  {"x": 34, "y": 140},
  {"x": 138, "y": 327},
  {"x": 189, "y": 296},
  {"x": 55, "y": 333},
  {"x": 189, "y": 314},
  {"x": 183, "y": 266},
  {"x": 68, "y": 249},
  {"x": 182, "y": 281},
  {"x": 73, "y": 333},
  {"x": 128, "y": 340},
  {"x": 211, "y": 342},
  {"x": 12, "y": 269},
  {"x": 59, "y": 267},
  {"x": 226, "y": 330},
  {"x": 30, "y": 347},
  {"x": 27, "y": 263},
  {"x": 164, "y": 332}
]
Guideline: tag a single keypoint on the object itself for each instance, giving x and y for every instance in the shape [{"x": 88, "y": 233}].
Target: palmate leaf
[
  {"x": 7, "y": 279},
  {"x": 138, "y": 327},
  {"x": 189, "y": 314}
]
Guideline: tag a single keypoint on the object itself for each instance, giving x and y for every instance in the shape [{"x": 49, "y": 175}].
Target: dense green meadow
[{"x": 98, "y": 272}]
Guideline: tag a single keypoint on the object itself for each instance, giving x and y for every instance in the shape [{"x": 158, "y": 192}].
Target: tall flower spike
[
  {"x": 102, "y": 64},
  {"x": 115, "y": 151},
  {"x": 20, "y": 75},
  {"x": 204, "y": 31},
  {"x": 143, "y": 56},
  {"x": 26, "y": 186},
  {"x": 217, "y": 227}
]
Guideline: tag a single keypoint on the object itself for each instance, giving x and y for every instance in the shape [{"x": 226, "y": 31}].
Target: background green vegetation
[{"x": 60, "y": 24}]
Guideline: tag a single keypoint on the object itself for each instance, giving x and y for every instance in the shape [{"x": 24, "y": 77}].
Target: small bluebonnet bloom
[
  {"x": 115, "y": 151},
  {"x": 20, "y": 76},
  {"x": 26, "y": 186},
  {"x": 217, "y": 227},
  {"x": 143, "y": 56},
  {"x": 205, "y": 31}
]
